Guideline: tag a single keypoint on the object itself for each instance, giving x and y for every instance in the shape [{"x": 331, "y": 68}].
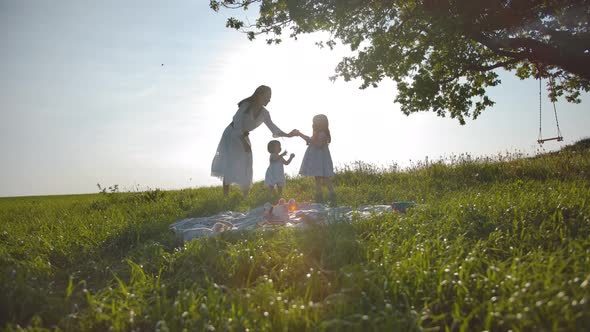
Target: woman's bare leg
[
  {"x": 330, "y": 185},
  {"x": 225, "y": 188},
  {"x": 280, "y": 190}
]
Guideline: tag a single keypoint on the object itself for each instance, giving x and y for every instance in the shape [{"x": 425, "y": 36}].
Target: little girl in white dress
[
  {"x": 275, "y": 173},
  {"x": 317, "y": 161}
]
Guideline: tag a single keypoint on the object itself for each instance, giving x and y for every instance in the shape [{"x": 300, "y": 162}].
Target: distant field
[{"x": 499, "y": 243}]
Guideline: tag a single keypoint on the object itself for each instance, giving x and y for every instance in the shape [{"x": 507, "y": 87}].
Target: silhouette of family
[{"x": 233, "y": 158}]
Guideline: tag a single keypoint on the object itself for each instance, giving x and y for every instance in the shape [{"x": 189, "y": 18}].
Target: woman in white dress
[{"x": 233, "y": 159}]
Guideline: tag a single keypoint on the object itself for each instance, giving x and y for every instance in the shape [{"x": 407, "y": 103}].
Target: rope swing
[{"x": 558, "y": 138}]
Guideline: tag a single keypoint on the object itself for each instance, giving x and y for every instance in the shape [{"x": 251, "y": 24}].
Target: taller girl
[
  {"x": 233, "y": 159},
  {"x": 317, "y": 161}
]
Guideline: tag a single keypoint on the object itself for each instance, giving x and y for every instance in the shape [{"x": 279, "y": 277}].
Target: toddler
[{"x": 275, "y": 173}]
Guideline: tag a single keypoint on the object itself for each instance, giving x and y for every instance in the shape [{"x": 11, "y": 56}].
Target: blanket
[{"x": 289, "y": 214}]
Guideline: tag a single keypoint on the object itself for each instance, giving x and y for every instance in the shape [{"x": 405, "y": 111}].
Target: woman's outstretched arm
[{"x": 276, "y": 131}]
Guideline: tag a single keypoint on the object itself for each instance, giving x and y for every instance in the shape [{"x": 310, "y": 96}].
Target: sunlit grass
[{"x": 494, "y": 243}]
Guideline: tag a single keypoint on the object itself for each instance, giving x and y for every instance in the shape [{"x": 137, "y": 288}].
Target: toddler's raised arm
[{"x": 287, "y": 162}]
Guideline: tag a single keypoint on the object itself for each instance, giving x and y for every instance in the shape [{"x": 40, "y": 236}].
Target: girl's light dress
[
  {"x": 275, "y": 173},
  {"x": 317, "y": 160},
  {"x": 232, "y": 162}
]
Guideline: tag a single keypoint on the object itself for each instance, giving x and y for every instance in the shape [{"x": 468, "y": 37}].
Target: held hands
[{"x": 293, "y": 132}]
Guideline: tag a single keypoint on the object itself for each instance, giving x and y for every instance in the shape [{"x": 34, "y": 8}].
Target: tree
[{"x": 442, "y": 54}]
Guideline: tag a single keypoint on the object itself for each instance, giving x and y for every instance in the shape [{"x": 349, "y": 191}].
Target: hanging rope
[
  {"x": 540, "y": 139},
  {"x": 558, "y": 138}
]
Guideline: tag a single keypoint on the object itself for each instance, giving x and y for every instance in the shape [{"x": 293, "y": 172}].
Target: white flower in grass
[{"x": 161, "y": 326}]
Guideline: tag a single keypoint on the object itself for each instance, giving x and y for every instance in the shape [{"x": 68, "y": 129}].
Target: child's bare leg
[
  {"x": 318, "y": 189},
  {"x": 330, "y": 186}
]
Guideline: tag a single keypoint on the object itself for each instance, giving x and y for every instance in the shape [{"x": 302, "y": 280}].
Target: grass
[{"x": 499, "y": 243}]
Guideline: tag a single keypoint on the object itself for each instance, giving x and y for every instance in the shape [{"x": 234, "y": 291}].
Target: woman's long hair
[
  {"x": 256, "y": 97},
  {"x": 320, "y": 124}
]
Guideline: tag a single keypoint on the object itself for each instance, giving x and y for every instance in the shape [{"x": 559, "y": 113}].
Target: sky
[{"x": 138, "y": 93}]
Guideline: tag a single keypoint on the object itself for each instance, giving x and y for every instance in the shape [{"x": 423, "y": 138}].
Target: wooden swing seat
[{"x": 558, "y": 138}]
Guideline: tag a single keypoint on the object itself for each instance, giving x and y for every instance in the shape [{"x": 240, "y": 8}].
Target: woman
[{"x": 233, "y": 159}]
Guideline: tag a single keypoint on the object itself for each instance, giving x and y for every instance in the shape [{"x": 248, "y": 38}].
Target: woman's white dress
[
  {"x": 275, "y": 173},
  {"x": 317, "y": 160},
  {"x": 232, "y": 162}
]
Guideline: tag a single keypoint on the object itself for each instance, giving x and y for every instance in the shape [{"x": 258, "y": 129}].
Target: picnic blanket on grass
[{"x": 286, "y": 215}]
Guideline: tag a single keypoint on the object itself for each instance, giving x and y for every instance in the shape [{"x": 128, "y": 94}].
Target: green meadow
[{"x": 498, "y": 243}]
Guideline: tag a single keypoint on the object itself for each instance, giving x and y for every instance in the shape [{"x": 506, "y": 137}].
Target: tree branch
[
  {"x": 539, "y": 52},
  {"x": 494, "y": 66}
]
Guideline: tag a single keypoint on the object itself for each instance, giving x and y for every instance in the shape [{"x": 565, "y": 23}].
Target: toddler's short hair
[{"x": 272, "y": 144}]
